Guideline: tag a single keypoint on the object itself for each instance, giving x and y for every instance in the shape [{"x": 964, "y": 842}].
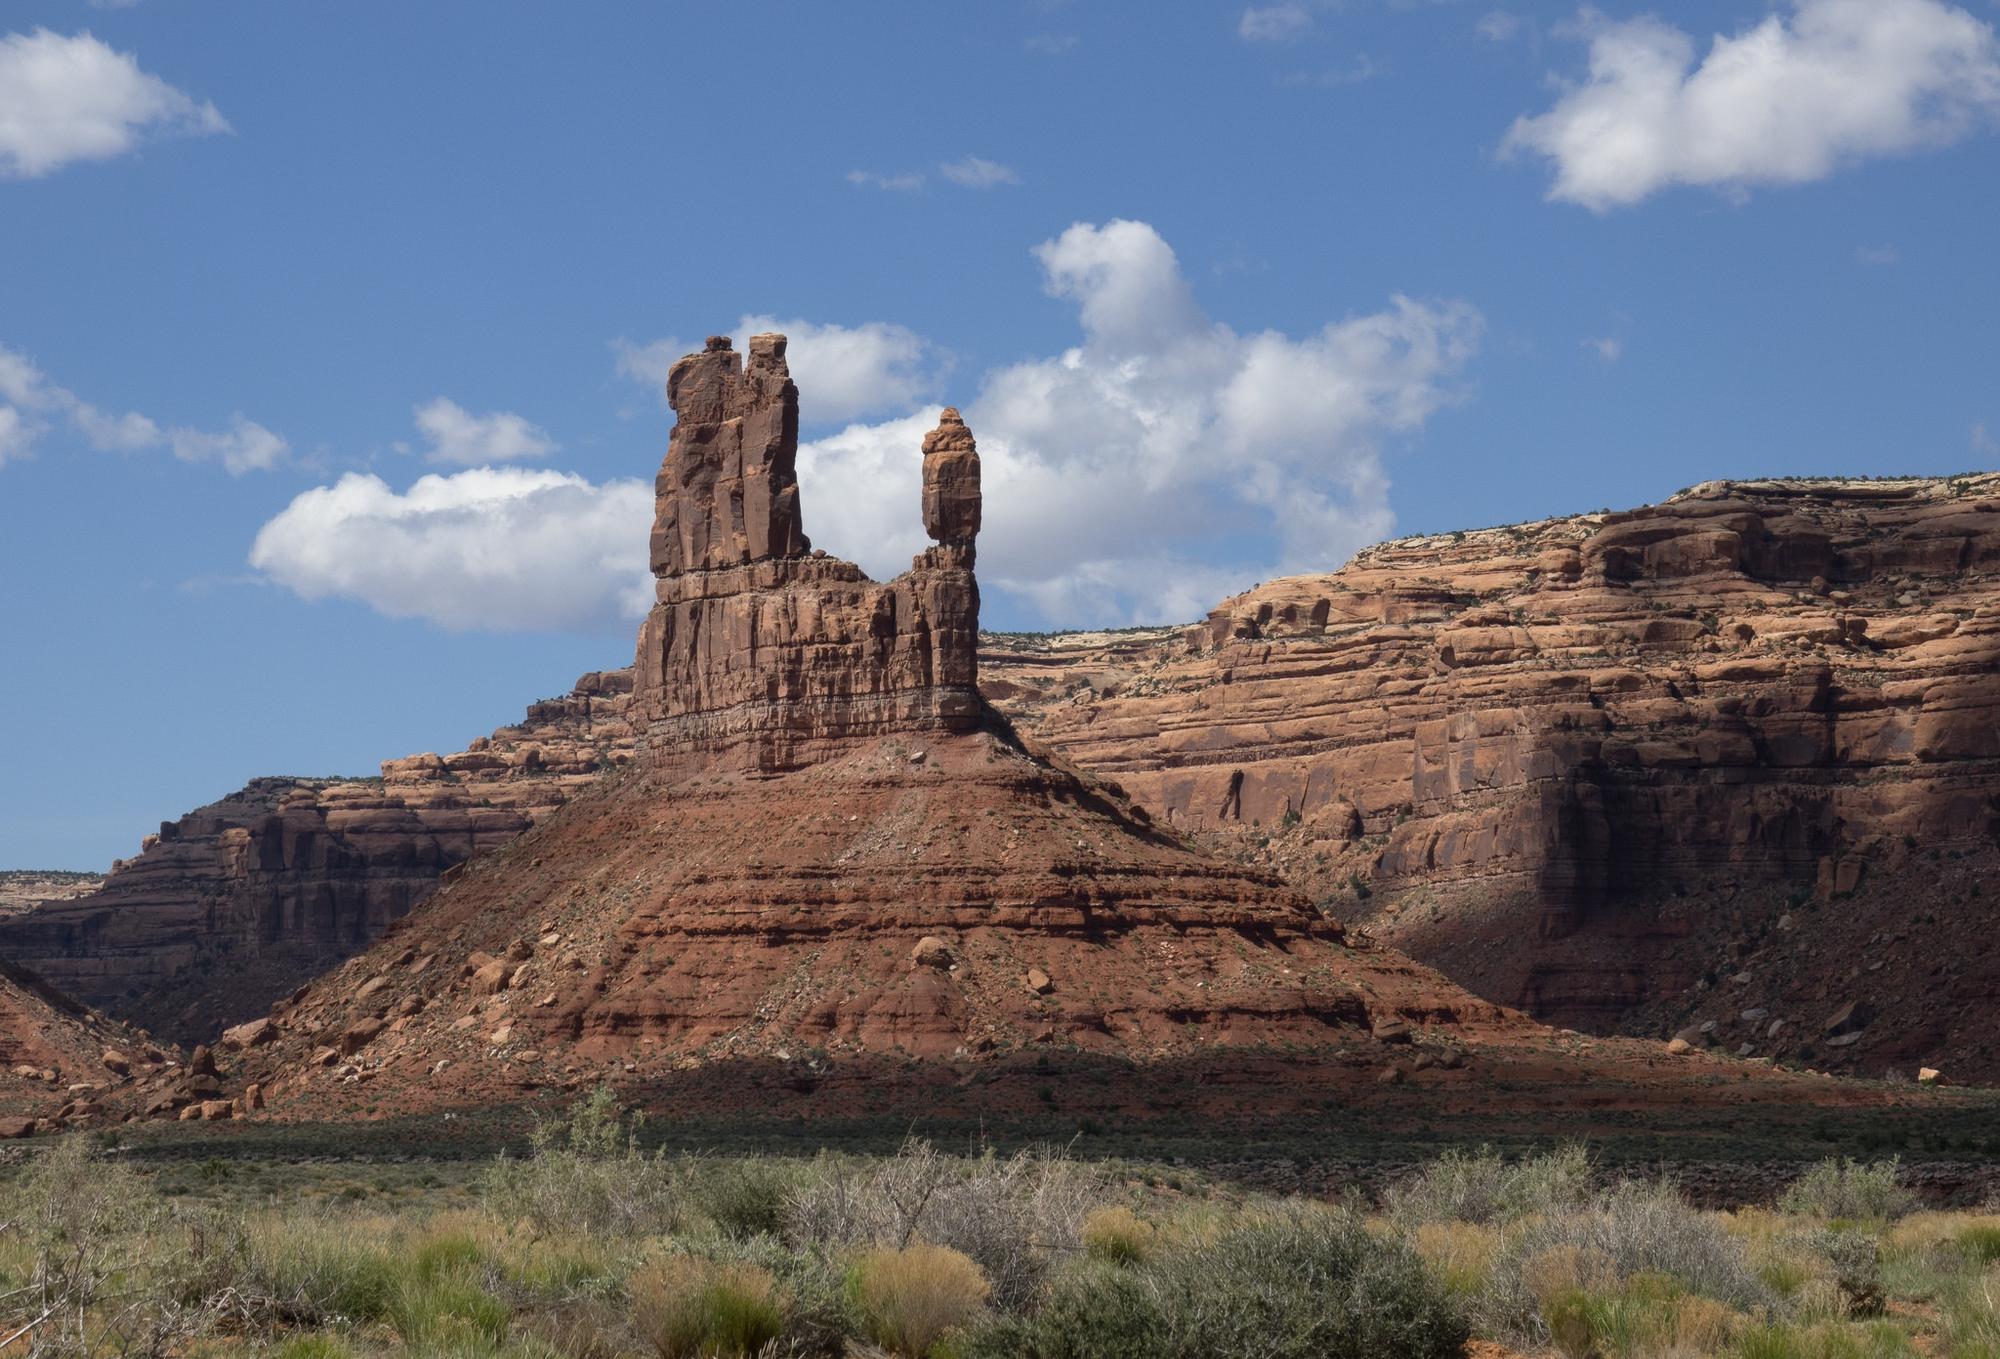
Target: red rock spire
[
  {"x": 951, "y": 483},
  {"x": 761, "y": 652},
  {"x": 729, "y": 490}
]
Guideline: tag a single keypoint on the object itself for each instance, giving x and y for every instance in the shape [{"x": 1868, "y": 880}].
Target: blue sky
[{"x": 329, "y": 337}]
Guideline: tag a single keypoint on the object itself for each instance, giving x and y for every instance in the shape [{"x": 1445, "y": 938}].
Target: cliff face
[
  {"x": 236, "y": 904},
  {"x": 1584, "y": 765}
]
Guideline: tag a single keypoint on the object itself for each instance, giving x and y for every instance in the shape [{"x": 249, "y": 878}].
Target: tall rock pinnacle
[
  {"x": 729, "y": 491},
  {"x": 951, "y": 483},
  {"x": 761, "y": 653}
]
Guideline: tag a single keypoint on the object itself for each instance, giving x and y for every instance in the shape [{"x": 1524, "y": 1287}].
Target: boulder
[{"x": 252, "y": 1033}]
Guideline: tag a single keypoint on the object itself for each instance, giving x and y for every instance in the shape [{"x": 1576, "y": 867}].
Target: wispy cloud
[
  {"x": 1273, "y": 23},
  {"x": 1050, "y": 44},
  {"x": 1984, "y": 444},
  {"x": 1608, "y": 348},
  {"x": 895, "y": 183},
  {"x": 1877, "y": 254},
  {"x": 1498, "y": 25},
  {"x": 1360, "y": 68},
  {"x": 31, "y": 406},
  {"x": 976, "y": 172}
]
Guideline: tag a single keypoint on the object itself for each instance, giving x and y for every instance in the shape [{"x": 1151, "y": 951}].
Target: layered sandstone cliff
[
  {"x": 1584, "y": 765},
  {"x": 237, "y": 903}
]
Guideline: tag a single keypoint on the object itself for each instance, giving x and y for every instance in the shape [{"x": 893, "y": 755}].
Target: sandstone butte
[
  {"x": 1721, "y": 767},
  {"x": 832, "y": 860},
  {"x": 1609, "y": 914}
]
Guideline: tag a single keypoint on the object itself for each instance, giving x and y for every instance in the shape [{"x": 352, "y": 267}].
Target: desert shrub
[
  {"x": 1460, "y": 1254},
  {"x": 743, "y": 1196},
  {"x": 318, "y": 1345},
  {"x": 587, "y": 1175},
  {"x": 447, "y": 1311},
  {"x": 909, "y": 1298},
  {"x": 1844, "y": 1188},
  {"x": 1972, "y": 1316},
  {"x": 1481, "y": 1187},
  {"x": 587, "y": 1330},
  {"x": 1010, "y": 1215},
  {"x": 97, "y": 1264},
  {"x": 1981, "y": 1243},
  {"x": 1118, "y": 1235},
  {"x": 1630, "y": 1230},
  {"x": 1855, "y": 1260},
  {"x": 1305, "y": 1282},
  {"x": 687, "y": 1307},
  {"x": 1097, "y": 1311},
  {"x": 1820, "y": 1341},
  {"x": 317, "y": 1270}
]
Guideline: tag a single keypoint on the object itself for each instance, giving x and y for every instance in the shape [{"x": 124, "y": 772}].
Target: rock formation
[
  {"x": 62, "y": 1066},
  {"x": 1594, "y": 767},
  {"x": 828, "y": 846},
  {"x": 1584, "y": 765},
  {"x": 761, "y": 651},
  {"x": 237, "y": 903}
]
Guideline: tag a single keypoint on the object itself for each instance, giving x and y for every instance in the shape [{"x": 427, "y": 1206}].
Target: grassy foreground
[{"x": 590, "y": 1247}]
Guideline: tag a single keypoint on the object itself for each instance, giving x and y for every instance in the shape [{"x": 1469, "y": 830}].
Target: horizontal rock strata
[
  {"x": 236, "y": 904},
  {"x": 1548, "y": 759}
]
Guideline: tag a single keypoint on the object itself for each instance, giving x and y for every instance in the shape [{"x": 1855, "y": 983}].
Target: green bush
[
  {"x": 1305, "y": 1284},
  {"x": 1632, "y": 1229},
  {"x": 1981, "y": 1244},
  {"x": 587, "y": 1176},
  {"x": 1857, "y": 1267},
  {"x": 1481, "y": 1187},
  {"x": 447, "y": 1312},
  {"x": 742, "y": 1196},
  {"x": 1844, "y": 1188},
  {"x": 1099, "y": 1311},
  {"x": 316, "y": 1268}
]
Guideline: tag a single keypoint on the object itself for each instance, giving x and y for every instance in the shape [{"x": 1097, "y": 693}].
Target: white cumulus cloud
[
  {"x": 1786, "y": 101},
  {"x": 1166, "y": 459},
  {"x": 843, "y": 372},
  {"x": 31, "y": 406},
  {"x": 65, "y": 99},
  {"x": 456, "y": 435},
  {"x": 497, "y": 548}
]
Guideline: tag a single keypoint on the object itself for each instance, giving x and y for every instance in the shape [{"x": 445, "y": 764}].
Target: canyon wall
[
  {"x": 237, "y": 903},
  {"x": 1581, "y": 765}
]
